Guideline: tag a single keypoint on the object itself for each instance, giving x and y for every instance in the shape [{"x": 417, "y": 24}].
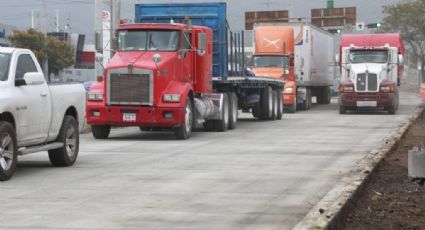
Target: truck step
[{"x": 39, "y": 148}]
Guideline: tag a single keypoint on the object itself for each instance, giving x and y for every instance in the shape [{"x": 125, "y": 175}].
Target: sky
[{"x": 79, "y": 14}]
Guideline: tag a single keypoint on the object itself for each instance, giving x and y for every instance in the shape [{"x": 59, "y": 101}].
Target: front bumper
[
  {"x": 367, "y": 99},
  {"x": 144, "y": 116},
  {"x": 288, "y": 99}
]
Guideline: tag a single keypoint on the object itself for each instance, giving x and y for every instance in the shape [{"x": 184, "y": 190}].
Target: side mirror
[
  {"x": 99, "y": 57},
  {"x": 400, "y": 59},
  {"x": 156, "y": 58},
  {"x": 33, "y": 78},
  {"x": 337, "y": 59},
  {"x": 202, "y": 43}
]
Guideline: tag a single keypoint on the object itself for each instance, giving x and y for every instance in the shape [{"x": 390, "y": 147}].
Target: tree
[
  {"x": 58, "y": 53},
  {"x": 408, "y": 18},
  {"x": 31, "y": 39}
]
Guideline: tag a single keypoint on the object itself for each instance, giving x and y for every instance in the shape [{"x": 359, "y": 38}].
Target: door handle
[{"x": 43, "y": 94}]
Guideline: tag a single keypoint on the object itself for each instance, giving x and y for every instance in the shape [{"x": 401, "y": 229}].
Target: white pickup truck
[{"x": 35, "y": 116}]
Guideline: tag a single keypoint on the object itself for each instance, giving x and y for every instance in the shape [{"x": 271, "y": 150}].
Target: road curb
[{"x": 327, "y": 212}]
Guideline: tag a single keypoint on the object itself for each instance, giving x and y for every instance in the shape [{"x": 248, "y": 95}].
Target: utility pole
[
  {"x": 32, "y": 19},
  {"x": 57, "y": 20}
]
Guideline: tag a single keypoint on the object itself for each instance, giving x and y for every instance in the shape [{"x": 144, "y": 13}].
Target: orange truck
[
  {"x": 299, "y": 53},
  {"x": 274, "y": 56}
]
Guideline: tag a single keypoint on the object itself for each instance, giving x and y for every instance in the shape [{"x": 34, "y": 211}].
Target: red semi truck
[
  {"x": 168, "y": 75},
  {"x": 371, "y": 66}
]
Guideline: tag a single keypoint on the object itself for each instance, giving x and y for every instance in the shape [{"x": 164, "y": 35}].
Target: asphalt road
[{"x": 263, "y": 175}]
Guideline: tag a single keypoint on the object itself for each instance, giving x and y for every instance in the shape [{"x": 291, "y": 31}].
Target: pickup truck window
[
  {"x": 136, "y": 40},
  {"x": 25, "y": 65},
  {"x": 4, "y": 66}
]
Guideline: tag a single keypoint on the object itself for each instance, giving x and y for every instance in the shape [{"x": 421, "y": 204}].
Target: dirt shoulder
[{"x": 388, "y": 200}]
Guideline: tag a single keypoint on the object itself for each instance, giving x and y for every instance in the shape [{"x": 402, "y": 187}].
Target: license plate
[
  {"x": 366, "y": 104},
  {"x": 129, "y": 117}
]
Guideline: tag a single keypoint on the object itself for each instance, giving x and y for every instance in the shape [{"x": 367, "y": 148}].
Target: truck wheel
[
  {"x": 391, "y": 109},
  {"x": 100, "y": 131},
  {"x": 256, "y": 111},
  {"x": 183, "y": 132},
  {"x": 69, "y": 135},
  {"x": 342, "y": 109},
  {"x": 279, "y": 105},
  {"x": 233, "y": 110},
  {"x": 309, "y": 99},
  {"x": 266, "y": 103},
  {"x": 222, "y": 124},
  {"x": 8, "y": 151},
  {"x": 275, "y": 105}
]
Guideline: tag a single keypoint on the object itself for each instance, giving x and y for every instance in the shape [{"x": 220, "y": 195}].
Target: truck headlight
[
  {"x": 288, "y": 90},
  {"x": 171, "y": 98},
  {"x": 95, "y": 96},
  {"x": 386, "y": 89},
  {"x": 346, "y": 88}
]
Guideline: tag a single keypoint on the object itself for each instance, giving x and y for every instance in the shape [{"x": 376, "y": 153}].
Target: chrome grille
[
  {"x": 367, "y": 82},
  {"x": 372, "y": 82},
  {"x": 129, "y": 89},
  {"x": 361, "y": 82}
]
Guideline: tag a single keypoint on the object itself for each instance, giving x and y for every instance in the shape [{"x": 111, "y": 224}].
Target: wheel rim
[
  {"x": 226, "y": 113},
  {"x": 70, "y": 141},
  {"x": 276, "y": 105},
  {"x": 234, "y": 110},
  {"x": 188, "y": 119},
  {"x": 6, "y": 152},
  {"x": 270, "y": 103}
]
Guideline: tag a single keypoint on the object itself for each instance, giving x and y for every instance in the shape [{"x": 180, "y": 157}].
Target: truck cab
[
  {"x": 370, "y": 76},
  {"x": 152, "y": 80}
]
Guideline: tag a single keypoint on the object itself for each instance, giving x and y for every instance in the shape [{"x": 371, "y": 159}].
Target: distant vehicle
[
  {"x": 300, "y": 53},
  {"x": 371, "y": 66},
  {"x": 174, "y": 75},
  {"x": 35, "y": 116}
]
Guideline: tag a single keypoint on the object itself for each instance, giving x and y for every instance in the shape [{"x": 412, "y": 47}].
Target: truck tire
[
  {"x": 279, "y": 105},
  {"x": 266, "y": 103},
  {"x": 256, "y": 111},
  {"x": 233, "y": 110},
  {"x": 100, "y": 131},
  {"x": 342, "y": 109},
  {"x": 275, "y": 106},
  {"x": 306, "y": 105},
  {"x": 183, "y": 132},
  {"x": 8, "y": 151},
  {"x": 222, "y": 124},
  {"x": 69, "y": 135},
  {"x": 391, "y": 109}
]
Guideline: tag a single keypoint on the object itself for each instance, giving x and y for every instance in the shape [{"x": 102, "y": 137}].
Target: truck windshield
[
  {"x": 160, "y": 40},
  {"x": 4, "y": 66},
  {"x": 368, "y": 56},
  {"x": 271, "y": 61}
]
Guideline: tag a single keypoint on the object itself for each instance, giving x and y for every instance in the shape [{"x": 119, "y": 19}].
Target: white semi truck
[{"x": 35, "y": 116}]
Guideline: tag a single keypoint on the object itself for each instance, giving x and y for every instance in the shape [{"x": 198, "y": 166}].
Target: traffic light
[{"x": 373, "y": 25}]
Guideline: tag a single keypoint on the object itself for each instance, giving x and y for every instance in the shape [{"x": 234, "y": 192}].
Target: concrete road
[{"x": 263, "y": 175}]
